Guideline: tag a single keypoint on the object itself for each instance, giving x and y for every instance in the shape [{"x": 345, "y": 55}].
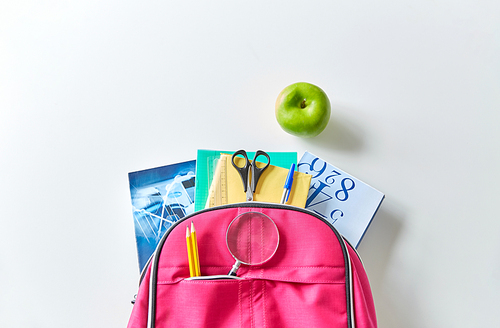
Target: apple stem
[{"x": 303, "y": 104}]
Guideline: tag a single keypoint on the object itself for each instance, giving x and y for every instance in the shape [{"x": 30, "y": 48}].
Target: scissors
[{"x": 250, "y": 170}]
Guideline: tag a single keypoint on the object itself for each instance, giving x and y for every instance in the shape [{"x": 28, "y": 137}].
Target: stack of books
[{"x": 163, "y": 195}]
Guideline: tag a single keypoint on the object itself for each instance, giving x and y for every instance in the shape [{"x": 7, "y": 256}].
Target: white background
[{"x": 92, "y": 90}]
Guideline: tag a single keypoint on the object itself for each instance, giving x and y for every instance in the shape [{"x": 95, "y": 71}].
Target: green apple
[{"x": 303, "y": 110}]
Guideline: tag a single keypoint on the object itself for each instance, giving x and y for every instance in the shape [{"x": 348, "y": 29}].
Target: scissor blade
[{"x": 249, "y": 194}]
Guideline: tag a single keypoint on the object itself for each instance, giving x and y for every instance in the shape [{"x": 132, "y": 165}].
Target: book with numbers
[{"x": 346, "y": 202}]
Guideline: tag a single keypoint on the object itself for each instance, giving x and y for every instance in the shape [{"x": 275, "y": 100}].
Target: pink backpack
[{"x": 314, "y": 278}]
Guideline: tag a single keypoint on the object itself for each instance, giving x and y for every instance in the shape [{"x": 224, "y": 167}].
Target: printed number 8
[{"x": 344, "y": 190}]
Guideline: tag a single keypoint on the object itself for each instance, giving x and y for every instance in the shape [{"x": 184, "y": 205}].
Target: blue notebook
[
  {"x": 346, "y": 202},
  {"x": 160, "y": 196}
]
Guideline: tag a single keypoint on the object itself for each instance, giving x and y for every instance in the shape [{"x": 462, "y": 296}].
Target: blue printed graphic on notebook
[{"x": 160, "y": 196}]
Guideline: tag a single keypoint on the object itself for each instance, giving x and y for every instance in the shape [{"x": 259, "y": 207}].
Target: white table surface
[{"x": 92, "y": 90}]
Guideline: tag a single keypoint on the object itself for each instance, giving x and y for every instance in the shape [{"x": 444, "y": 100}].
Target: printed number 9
[{"x": 312, "y": 168}]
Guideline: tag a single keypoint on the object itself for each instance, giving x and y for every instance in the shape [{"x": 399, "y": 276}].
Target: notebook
[
  {"x": 160, "y": 196},
  {"x": 206, "y": 164},
  {"x": 345, "y": 201},
  {"x": 227, "y": 185}
]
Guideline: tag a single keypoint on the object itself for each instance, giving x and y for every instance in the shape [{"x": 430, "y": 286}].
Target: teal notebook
[{"x": 206, "y": 163}]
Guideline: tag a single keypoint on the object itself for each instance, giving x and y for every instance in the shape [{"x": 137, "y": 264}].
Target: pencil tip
[
  {"x": 192, "y": 227},
  {"x": 187, "y": 232}
]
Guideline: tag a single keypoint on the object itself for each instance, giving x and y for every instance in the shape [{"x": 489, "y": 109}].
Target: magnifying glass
[{"x": 252, "y": 238}]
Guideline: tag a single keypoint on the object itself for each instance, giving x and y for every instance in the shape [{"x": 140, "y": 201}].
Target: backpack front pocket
[{"x": 204, "y": 303}]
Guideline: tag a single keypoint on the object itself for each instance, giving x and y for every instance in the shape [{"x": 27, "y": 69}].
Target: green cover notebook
[{"x": 206, "y": 163}]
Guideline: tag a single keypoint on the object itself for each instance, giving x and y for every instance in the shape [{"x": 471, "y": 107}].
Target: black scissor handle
[
  {"x": 257, "y": 171},
  {"x": 242, "y": 170}
]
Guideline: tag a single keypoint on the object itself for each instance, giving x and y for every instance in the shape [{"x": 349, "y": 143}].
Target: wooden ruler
[{"x": 218, "y": 189}]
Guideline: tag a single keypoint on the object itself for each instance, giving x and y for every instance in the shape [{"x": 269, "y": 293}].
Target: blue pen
[{"x": 288, "y": 185}]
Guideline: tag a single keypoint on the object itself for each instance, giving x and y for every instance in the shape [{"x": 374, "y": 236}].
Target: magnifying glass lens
[{"x": 252, "y": 238}]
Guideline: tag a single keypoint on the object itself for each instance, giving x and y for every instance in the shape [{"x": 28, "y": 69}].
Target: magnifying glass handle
[{"x": 235, "y": 268}]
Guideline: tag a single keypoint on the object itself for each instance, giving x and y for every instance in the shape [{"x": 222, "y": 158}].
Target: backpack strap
[{"x": 350, "y": 294}]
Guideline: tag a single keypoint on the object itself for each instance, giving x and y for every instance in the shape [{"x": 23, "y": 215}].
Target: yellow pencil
[
  {"x": 192, "y": 271},
  {"x": 194, "y": 249}
]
